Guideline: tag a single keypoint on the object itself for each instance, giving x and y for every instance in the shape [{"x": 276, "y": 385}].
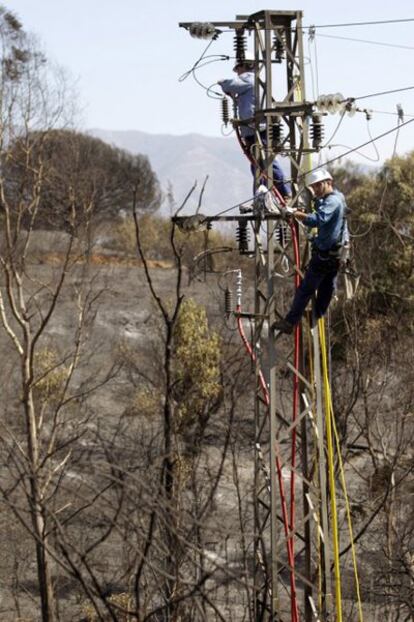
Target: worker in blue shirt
[
  {"x": 332, "y": 236},
  {"x": 241, "y": 89}
]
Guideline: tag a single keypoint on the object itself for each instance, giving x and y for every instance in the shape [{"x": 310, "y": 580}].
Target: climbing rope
[
  {"x": 285, "y": 516},
  {"x": 333, "y": 430},
  {"x": 330, "y": 417},
  {"x": 331, "y": 473}
]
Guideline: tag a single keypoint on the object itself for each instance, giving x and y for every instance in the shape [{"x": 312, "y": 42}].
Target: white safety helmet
[
  {"x": 316, "y": 176},
  {"x": 248, "y": 60}
]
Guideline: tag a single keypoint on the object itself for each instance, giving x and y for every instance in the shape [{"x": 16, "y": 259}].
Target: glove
[
  {"x": 288, "y": 212},
  {"x": 264, "y": 201}
]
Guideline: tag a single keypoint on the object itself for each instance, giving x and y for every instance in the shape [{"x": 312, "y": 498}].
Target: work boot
[{"x": 283, "y": 326}]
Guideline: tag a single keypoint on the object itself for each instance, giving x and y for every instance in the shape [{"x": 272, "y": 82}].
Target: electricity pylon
[{"x": 281, "y": 126}]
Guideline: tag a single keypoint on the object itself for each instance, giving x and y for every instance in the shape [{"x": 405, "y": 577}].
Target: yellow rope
[
  {"x": 349, "y": 520},
  {"x": 313, "y": 400},
  {"x": 347, "y": 505},
  {"x": 348, "y": 514},
  {"x": 331, "y": 474}
]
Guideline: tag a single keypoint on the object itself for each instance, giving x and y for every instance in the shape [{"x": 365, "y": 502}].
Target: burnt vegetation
[{"x": 126, "y": 417}]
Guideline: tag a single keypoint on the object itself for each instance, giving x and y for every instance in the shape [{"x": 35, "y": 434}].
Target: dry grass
[{"x": 101, "y": 259}]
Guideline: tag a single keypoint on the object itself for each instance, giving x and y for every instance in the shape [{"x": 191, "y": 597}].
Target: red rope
[
  {"x": 295, "y": 404},
  {"x": 288, "y": 535},
  {"x": 256, "y": 164},
  {"x": 289, "y": 523}
]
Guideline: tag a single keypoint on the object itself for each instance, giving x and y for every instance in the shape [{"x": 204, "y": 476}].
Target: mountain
[{"x": 181, "y": 160}]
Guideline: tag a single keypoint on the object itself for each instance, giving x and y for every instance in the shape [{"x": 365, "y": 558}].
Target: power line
[
  {"x": 394, "y": 129},
  {"x": 406, "y": 88},
  {"x": 389, "y": 45},
  {"x": 386, "y": 21},
  {"x": 336, "y": 129},
  {"x": 363, "y": 155},
  {"x": 355, "y": 149},
  {"x": 394, "y": 114}
]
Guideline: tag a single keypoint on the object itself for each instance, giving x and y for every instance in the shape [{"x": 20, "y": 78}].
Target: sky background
[{"x": 127, "y": 56}]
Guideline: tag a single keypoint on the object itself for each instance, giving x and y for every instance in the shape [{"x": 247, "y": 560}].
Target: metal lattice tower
[
  {"x": 288, "y": 116},
  {"x": 281, "y": 125}
]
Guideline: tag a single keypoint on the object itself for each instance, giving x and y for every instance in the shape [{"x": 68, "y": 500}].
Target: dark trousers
[
  {"x": 319, "y": 277},
  {"x": 278, "y": 175}
]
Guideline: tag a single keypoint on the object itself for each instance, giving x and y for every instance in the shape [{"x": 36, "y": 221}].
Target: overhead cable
[
  {"x": 390, "y": 45},
  {"x": 394, "y": 129},
  {"x": 406, "y": 88},
  {"x": 385, "y": 21},
  {"x": 394, "y": 114}
]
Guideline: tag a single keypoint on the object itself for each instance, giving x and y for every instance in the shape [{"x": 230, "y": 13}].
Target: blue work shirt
[
  {"x": 242, "y": 89},
  {"x": 330, "y": 220}
]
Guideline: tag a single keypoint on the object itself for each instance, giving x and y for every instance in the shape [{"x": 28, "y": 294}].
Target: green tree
[
  {"x": 382, "y": 219},
  {"x": 81, "y": 176},
  {"x": 197, "y": 385},
  {"x": 373, "y": 376}
]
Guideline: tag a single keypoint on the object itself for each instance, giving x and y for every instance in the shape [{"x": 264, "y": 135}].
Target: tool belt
[{"x": 331, "y": 253}]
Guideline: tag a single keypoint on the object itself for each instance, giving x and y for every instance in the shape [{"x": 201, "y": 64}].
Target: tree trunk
[{"x": 47, "y": 599}]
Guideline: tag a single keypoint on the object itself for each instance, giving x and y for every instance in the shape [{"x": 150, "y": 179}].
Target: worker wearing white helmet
[
  {"x": 329, "y": 218},
  {"x": 241, "y": 90},
  {"x": 318, "y": 175}
]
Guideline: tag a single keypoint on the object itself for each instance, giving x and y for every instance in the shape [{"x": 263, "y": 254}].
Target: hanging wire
[
  {"x": 363, "y": 155},
  {"x": 314, "y": 74},
  {"x": 208, "y": 89},
  {"x": 356, "y": 149},
  {"x": 400, "y": 114},
  {"x": 315, "y": 86},
  {"x": 210, "y": 92},
  {"x": 225, "y": 133},
  {"x": 342, "y": 116},
  {"x": 394, "y": 152},
  {"x": 316, "y": 66},
  {"x": 386, "y": 179},
  {"x": 373, "y": 142},
  {"x": 213, "y": 58},
  {"x": 369, "y": 228},
  {"x": 185, "y": 75}
]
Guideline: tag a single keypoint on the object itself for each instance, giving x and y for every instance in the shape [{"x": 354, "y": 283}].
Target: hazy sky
[{"x": 128, "y": 55}]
